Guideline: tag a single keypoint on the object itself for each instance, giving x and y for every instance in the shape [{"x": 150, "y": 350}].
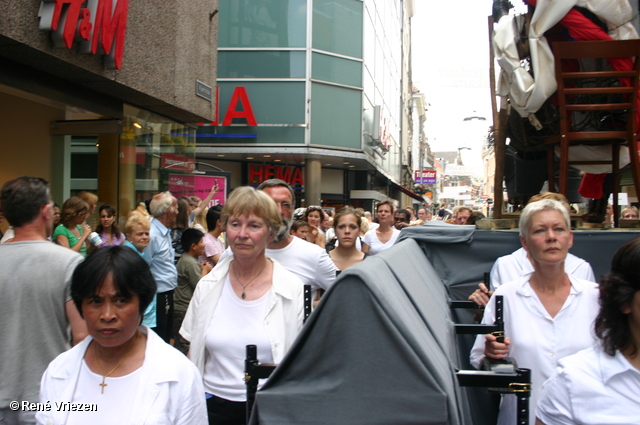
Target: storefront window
[{"x": 156, "y": 154}]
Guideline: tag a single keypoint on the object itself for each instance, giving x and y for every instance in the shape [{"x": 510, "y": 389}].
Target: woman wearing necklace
[
  {"x": 123, "y": 368},
  {"x": 108, "y": 229},
  {"x": 385, "y": 235},
  {"x": 248, "y": 298}
]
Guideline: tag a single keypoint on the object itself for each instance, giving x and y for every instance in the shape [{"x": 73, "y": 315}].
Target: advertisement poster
[{"x": 200, "y": 186}]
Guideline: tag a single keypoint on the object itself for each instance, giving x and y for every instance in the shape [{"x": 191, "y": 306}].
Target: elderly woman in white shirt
[
  {"x": 248, "y": 298},
  {"x": 548, "y": 314},
  {"x": 123, "y": 369},
  {"x": 600, "y": 385}
]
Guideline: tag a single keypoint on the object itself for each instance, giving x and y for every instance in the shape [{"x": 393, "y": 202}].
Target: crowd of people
[{"x": 93, "y": 325}]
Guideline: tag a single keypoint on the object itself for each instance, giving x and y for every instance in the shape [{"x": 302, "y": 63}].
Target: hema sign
[{"x": 100, "y": 26}]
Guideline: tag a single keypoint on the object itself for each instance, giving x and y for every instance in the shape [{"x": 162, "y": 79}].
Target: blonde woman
[{"x": 247, "y": 299}]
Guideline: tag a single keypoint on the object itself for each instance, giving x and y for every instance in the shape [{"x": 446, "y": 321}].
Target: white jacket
[
  {"x": 170, "y": 389},
  {"x": 283, "y": 321}
]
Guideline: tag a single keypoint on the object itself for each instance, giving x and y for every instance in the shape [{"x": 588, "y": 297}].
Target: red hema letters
[{"x": 101, "y": 26}]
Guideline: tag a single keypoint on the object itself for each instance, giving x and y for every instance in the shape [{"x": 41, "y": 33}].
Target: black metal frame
[
  {"x": 254, "y": 371},
  {"x": 517, "y": 381}
]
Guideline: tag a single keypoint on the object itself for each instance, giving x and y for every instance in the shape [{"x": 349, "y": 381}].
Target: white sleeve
[
  {"x": 226, "y": 253},
  {"x": 585, "y": 271},
  {"x": 193, "y": 406},
  {"x": 495, "y": 276},
  {"x": 44, "y": 417},
  {"x": 325, "y": 271},
  {"x": 554, "y": 406}
]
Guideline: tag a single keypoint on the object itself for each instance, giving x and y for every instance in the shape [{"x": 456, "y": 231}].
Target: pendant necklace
[
  {"x": 248, "y": 283},
  {"x": 104, "y": 377}
]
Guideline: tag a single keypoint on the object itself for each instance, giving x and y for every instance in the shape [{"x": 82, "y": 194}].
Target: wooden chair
[{"x": 606, "y": 92}]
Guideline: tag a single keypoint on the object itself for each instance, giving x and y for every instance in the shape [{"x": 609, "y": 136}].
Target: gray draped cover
[{"x": 381, "y": 348}]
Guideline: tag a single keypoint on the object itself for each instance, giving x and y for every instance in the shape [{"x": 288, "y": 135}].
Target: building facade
[
  {"x": 105, "y": 95},
  {"x": 316, "y": 92}
]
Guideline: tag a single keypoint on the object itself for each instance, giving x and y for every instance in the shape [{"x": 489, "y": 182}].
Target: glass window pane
[
  {"x": 336, "y": 116},
  {"x": 250, "y": 23},
  {"x": 265, "y": 64},
  {"x": 337, "y": 26},
  {"x": 337, "y": 70}
]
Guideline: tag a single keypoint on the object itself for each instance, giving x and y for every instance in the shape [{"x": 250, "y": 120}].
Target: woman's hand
[
  {"x": 86, "y": 231},
  {"x": 494, "y": 349},
  {"x": 205, "y": 268},
  {"x": 481, "y": 295},
  {"x": 312, "y": 235}
]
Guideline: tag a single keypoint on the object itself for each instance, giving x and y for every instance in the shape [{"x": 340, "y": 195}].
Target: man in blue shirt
[{"x": 160, "y": 255}]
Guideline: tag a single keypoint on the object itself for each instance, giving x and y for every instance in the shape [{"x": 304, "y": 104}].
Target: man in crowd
[
  {"x": 308, "y": 261},
  {"x": 36, "y": 308},
  {"x": 462, "y": 216},
  {"x": 160, "y": 255},
  {"x": 402, "y": 219},
  {"x": 424, "y": 214}
]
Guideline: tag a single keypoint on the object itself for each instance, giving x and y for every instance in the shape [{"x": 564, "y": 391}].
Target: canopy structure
[{"x": 380, "y": 348}]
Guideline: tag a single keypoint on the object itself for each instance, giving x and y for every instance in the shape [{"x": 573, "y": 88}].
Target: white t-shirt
[
  {"x": 235, "y": 324},
  {"x": 375, "y": 246},
  {"x": 510, "y": 267},
  {"x": 306, "y": 260},
  {"x": 591, "y": 388},
  {"x": 539, "y": 341},
  {"x": 115, "y": 404}
]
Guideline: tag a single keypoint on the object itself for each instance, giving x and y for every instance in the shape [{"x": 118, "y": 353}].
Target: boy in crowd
[
  {"x": 300, "y": 228},
  {"x": 189, "y": 274}
]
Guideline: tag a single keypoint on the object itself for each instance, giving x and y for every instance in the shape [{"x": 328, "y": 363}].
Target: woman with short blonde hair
[{"x": 246, "y": 299}]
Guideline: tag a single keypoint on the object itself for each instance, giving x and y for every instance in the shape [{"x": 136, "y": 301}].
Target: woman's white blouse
[
  {"x": 591, "y": 388},
  {"x": 539, "y": 341}
]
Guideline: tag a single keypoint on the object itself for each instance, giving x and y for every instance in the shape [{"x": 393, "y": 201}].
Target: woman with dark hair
[
  {"x": 600, "y": 385},
  {"x": 383, "y": 236},
  {"x": 108, "y": 228},
  {"x": 213, "y": 246},
  {"x": 122, "y": 367},
  {"x": 72, "y": 232},
  {"x": 56, "y": 215},
  {"x": 314, "y": 216}
]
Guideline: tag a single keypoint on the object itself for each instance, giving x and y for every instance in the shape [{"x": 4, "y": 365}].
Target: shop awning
[{"x": 409, "y": 192}]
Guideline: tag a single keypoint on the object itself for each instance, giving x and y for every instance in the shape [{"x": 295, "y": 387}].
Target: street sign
[{"x": 428, "y": 177}]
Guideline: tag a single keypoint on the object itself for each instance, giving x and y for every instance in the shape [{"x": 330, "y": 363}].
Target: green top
[{"x": 62, "y": 230}]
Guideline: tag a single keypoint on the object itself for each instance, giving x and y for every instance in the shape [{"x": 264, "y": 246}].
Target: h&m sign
[{"x": 100, "y": 26}]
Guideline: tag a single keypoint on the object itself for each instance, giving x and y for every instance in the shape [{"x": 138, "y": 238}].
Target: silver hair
[
  {"x": 535, "y": 207},
  {"x": 284, "y": 230},
  {"x": 278, "y": 183},
  {"x": 161, "y": 203}
]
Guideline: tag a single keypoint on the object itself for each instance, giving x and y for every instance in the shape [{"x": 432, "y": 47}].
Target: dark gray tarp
[{"x": 380, "y": 348}]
